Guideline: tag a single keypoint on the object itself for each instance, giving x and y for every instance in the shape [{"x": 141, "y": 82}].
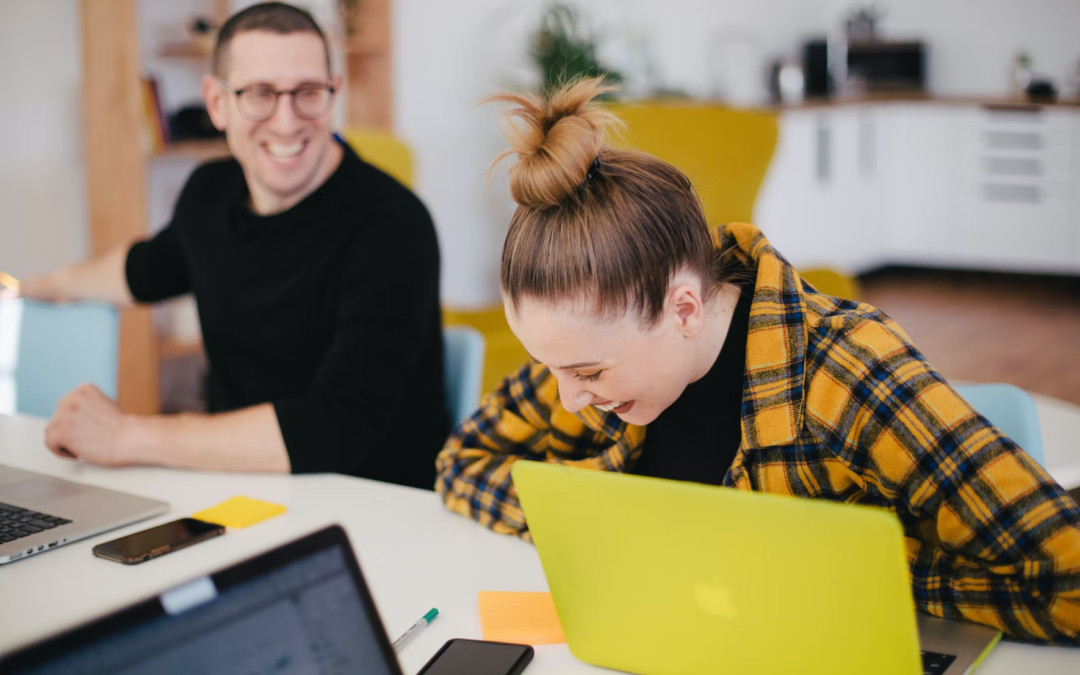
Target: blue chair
[
  {"x": 57, "y": 348},
  {"x": 463, "y": 361},
  {"x": 1010, "y": 409}
]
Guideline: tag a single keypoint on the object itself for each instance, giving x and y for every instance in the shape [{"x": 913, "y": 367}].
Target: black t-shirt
[
  {"x": 697, "y": 437},
  {"x": 329, "y": 310}
]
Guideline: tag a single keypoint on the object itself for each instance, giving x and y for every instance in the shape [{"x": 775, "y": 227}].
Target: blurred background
[{"x": 923, "y": 156}]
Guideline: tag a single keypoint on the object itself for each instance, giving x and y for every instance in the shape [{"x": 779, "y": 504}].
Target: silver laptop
[{"x": 39, "y": 512}]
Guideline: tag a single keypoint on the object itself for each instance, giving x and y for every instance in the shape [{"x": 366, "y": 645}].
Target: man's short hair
[{"x": 273, "y": 17}]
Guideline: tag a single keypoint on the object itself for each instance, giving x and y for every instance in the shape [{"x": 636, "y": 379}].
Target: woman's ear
[{"x": 686, "y": 308}]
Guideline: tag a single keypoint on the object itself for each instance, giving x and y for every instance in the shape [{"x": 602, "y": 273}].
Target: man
[{"x": 316, "y": 277}]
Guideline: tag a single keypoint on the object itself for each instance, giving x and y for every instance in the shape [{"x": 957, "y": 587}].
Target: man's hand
[
  {"x": 101, "y": 279},
  {"x": 47, "y": 289},
  {"x": 88, "y": 425}
]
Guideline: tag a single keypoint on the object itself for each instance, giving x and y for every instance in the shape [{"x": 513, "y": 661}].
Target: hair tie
[{"x": 594, "y": 169}]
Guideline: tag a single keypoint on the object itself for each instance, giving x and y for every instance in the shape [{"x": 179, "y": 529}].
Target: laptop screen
[{"x": 306, "y": 616}]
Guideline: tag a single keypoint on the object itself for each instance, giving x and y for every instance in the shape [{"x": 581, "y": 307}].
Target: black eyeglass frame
[{"x": 277, "y": 99}]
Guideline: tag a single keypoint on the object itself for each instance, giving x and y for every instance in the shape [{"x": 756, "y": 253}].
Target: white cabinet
[
  {"x": 982, "y": 187},
  {"x": 1076, "y": 192},
  {"x": 1013, "y": 188},
  {"x": 820, "y": 202},
  {"x": 917, "y": 142}
]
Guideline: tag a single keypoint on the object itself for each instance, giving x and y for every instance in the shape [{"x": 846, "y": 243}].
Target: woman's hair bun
[{"x": 556, "y": 138}]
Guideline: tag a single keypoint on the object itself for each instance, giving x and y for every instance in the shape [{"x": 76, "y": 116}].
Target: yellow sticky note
[
  {"x": 240, "y": 512},
  {"x": 522, "y": 618}
]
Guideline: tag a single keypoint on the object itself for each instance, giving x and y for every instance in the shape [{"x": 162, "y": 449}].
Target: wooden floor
[{"x": 984, "y": 327}]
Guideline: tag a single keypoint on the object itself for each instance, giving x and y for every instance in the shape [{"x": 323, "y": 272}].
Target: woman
[{"x": 665, "y": 349}]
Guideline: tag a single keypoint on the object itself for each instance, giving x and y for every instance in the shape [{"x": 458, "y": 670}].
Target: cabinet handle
[
  {"x": 1013, "y": 140},
  {"x": 823, "y": 157},
  {"x": 1007, "y": 192},
  {"x": 1012, "y": 166},
  {"x": 1013, "y": 112},
  {"x": 867, "y": 146}
]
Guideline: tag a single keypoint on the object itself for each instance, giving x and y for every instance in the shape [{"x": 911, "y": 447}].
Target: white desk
[{"x": 414, "y": 553}]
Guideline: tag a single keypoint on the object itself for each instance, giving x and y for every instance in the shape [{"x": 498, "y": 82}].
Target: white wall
[{"x": 42, "y": 194}]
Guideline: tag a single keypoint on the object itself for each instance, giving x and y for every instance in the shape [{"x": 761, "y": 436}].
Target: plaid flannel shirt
[{"x": 838, "y": 405}]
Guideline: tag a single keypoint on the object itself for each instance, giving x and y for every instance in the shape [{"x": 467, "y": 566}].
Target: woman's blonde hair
[{"x": 593, "y": 221}]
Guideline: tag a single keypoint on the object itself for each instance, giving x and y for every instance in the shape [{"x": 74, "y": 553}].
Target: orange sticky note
[{"x": 523, "y": 618}]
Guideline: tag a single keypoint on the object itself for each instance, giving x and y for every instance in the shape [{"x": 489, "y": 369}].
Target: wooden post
[
  {"x": 116, "y": 175},
  {"x": 370, "y": 68}
]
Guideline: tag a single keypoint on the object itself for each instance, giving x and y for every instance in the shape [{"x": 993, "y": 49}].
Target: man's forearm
[
  {"x": 244, "y": 440},
  {"x": 101, "y": 278}
]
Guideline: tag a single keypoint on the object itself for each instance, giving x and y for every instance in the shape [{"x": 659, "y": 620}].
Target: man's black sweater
[{"x": 329, "y": 311}]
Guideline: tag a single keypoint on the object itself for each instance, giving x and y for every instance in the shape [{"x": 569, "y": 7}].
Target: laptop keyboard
[
  {"x": 16, "y": 523},
  {"x": 936, "y": 664}
]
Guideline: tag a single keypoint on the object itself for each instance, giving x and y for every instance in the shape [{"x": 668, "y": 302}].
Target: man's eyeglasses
[{"x": 259, "y": 102}]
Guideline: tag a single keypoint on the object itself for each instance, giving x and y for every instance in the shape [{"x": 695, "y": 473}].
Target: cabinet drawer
[{"x": 1006, "y": 224}]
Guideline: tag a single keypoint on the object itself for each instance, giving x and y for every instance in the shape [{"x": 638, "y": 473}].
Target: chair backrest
[
  {"x": 463, "y": 364},
  {"x": 833, "y": 282},
  {"x": 384, "y": 151},
  {"x": 1010, "y": 409},
  {"x": 52, "y": 349},
  {"x": 724, "y": 152}
]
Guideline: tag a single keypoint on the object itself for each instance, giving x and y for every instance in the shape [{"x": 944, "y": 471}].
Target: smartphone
[
  {"x": 157, "y": 541},
  {"x": 477, "y": 657}
]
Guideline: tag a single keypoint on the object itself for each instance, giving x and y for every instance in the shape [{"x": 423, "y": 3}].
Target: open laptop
[
  {"x": 300, "y": 608},
  {"x": 661, "y": 577},
  {"x": 39, "y": 512}
]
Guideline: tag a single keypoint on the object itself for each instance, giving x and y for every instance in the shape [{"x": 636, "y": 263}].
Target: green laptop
[{"x": 662, "y": 577}]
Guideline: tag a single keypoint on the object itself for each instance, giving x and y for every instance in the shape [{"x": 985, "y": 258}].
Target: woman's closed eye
[{"x": 588, "y": 377}]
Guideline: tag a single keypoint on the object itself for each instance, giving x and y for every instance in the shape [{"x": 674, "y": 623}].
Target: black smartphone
[
  {"x": 157, "y": 541},
  {"x": 477, "y": 657}
]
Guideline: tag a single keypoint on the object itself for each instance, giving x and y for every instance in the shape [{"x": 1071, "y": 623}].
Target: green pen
[{"x": 416, "y": 628}]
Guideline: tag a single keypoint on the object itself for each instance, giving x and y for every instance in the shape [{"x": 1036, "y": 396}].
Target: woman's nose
[{"x": 573, "y": 397}]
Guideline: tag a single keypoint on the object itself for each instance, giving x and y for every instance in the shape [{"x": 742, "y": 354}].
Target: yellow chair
[
  {"x": 383, "y": 150},
  {"x": 725, "y": 153},
  {"x": 832, "y": 282}
]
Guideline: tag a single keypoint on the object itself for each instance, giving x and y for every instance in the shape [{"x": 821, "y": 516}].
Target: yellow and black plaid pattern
[{"x": 838, "y": 405}]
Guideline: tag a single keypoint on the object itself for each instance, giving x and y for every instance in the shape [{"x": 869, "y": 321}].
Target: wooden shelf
[
  {"x": 185, "y": 50},
  {"x": 215, "y": 148}
]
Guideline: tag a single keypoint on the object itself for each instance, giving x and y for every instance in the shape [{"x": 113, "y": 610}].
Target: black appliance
[
  {"x": 816, "y": 74},
  {"x": 885, "y": 66}
]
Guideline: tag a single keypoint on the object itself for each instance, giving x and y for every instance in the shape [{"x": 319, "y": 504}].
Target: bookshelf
[{"x": 117, "y": 165}]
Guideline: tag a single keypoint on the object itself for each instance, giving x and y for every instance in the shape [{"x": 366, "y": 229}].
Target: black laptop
[{"x": 300, "y": 608}]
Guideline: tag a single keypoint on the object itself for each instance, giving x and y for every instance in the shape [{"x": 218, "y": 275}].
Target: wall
[{"x": 42, "y": 194}]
